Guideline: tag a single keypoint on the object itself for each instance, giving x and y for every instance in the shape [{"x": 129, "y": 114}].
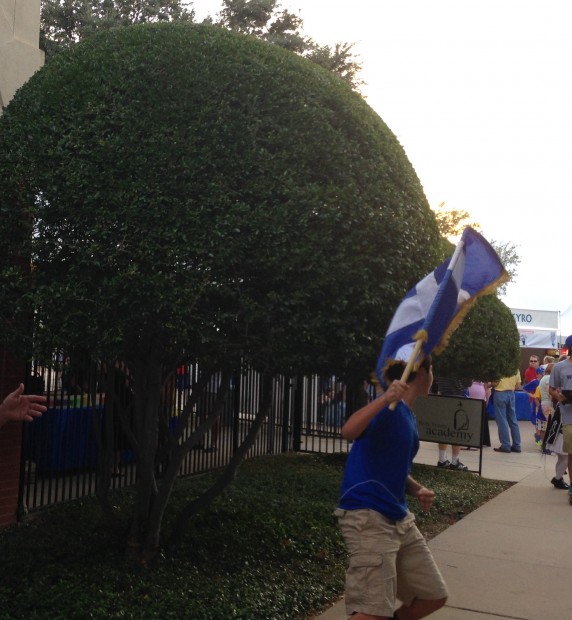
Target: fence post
[
  {"x": 297, "y": 413},
  {"x": 237, "y": 381},
  {"x": 286, "y": 415}
]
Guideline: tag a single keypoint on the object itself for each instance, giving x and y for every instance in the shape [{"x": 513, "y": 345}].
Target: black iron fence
[{"x": 61, "y": 450}]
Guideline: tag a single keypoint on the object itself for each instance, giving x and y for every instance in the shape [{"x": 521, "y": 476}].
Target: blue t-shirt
[{"x": 379, "y": 463}]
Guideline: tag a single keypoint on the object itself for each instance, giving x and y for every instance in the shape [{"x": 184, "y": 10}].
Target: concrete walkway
[{"x": 511, "y": 558}]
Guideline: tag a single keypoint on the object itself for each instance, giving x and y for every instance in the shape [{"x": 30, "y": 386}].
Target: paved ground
[{"x": 511, "y": 558}]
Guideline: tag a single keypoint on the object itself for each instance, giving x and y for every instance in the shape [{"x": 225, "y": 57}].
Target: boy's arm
[
  {"x": 359, "y": 421},
  {"x": 423, "y": 494}
]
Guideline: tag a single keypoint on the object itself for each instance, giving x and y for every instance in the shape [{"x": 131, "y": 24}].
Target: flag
[{"x": 435, "y": 307}]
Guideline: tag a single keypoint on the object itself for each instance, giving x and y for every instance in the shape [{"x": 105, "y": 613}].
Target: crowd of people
[{"x": 547, "y": 385}]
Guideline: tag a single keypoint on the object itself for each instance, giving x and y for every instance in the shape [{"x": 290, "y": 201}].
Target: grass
[{"x": 269, "y": 548}]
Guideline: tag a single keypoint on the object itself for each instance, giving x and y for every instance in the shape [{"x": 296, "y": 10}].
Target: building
[{"x": 20, "y": 55}]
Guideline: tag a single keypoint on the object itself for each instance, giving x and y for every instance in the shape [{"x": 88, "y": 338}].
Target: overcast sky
[{"x": 479, "y": 94}]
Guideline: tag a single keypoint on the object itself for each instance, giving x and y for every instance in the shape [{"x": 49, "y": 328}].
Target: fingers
[
  {"x": 17, "y": 392},
  {"x": 35, "y": 401},
  {"x": 33, "y": 405},
  {"x": 36, "y": 411},
  {"x": 397, "y": 389}
]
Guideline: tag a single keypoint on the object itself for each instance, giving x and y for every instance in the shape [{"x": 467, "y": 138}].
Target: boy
[{"x": 389, "y": 558}]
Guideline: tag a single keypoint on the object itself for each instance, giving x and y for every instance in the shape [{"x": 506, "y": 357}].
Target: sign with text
[
  {"x": 450, "y": 420},
  {"x": 545, "y": 319}
]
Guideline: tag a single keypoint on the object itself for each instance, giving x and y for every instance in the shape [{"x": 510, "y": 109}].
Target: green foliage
[
  {"x": 451, "y": 222},
  {"x": 267, "y": 20},
  {"x": 486, "y": 345},
  {"x": 340, "y": 59},
  {"x": 270, "y": 548},
  {"x": 193, "y": 188},
  {"x": 258, "y": 18},
  {"x": 510, "y": 259},
  {"x": 185, "y": 190},
  {"x": 66, "y": 22}
]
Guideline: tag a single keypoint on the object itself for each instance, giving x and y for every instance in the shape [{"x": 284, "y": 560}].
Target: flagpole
[{"x": 409, "y": 367}]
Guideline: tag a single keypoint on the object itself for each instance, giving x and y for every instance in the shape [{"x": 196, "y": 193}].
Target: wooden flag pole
[{"x": 409, "y": 367}]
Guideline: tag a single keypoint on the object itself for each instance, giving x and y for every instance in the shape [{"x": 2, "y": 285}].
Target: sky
[{"x": 479, "y": 95}]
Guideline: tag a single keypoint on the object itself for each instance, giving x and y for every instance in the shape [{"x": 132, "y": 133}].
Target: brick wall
[{"x": 12, "y": 371}]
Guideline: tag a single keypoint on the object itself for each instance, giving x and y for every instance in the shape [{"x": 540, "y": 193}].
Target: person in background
[
  {"x": 336, "y": 410},
  {"x": 545, "y": 406},
  {"x": 530, "y": 372},
  {"x": 555, "y": 445},
  {"x": 481, "y": 390},
  {"x": 505, "y": 413},
  {"x": 450, "y": 387},
  {"x": 206, "y": 408},
  {"x": 389, "y": 557},
  {"x": 560, "y": 388},
  {"x": 18, "y": 407},
  {"x": 531, "y": 389}
]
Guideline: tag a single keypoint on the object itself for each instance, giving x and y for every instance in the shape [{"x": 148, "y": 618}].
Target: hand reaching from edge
[{"x": 21, "y": 408}]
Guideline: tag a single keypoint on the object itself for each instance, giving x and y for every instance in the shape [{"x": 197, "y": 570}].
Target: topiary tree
[{"x": 183, "y": 190}]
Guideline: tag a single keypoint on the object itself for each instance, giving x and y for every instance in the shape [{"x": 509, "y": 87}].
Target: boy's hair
[{"x": 395, "y": 370}]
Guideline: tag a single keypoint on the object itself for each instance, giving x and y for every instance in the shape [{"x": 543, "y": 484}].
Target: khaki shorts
[
  {"x": 567, "y": 433},
  {"x": 388, "y": 561}
]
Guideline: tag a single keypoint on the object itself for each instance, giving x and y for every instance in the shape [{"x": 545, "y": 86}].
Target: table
[
  {"x": 63, "y": 439},
  {"x": 524, "y": 410}
]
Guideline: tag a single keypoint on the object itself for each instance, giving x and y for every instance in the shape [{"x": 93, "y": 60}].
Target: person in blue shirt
[{"x": 389, "y": 557}]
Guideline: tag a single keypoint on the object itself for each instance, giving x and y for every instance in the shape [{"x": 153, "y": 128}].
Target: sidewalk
[{"x": 511, "y": 558}]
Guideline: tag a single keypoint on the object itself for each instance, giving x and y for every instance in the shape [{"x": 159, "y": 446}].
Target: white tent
[
  {"x": 538, "y": 329},
  {"x": 566, "y": 323}
]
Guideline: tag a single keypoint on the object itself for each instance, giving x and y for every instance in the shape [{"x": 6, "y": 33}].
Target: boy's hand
[{"x": 426, "y": 498}]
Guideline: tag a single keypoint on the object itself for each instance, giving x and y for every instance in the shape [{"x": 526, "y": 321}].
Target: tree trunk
[
  {"x": 229, "y": 472},
  {"x": 176, "y": 456},
  {"x": 147, "y": 375}
]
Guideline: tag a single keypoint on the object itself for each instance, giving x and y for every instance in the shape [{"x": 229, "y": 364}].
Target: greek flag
[{"x": 435, "y": 307}]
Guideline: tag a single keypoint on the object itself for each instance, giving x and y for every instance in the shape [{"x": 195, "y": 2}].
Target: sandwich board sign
[{"x": 451, "y": 420}]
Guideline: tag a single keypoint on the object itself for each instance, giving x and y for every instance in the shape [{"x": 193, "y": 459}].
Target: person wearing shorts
[
  {"x": 389, "y": 558},
  {"x": 560, "y": 388}
]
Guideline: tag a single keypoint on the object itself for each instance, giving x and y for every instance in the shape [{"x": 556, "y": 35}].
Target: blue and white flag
[{"x": 435, "y": 307}]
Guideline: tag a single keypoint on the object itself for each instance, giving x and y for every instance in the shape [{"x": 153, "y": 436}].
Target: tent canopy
[{"x": 537, "y": 328}]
